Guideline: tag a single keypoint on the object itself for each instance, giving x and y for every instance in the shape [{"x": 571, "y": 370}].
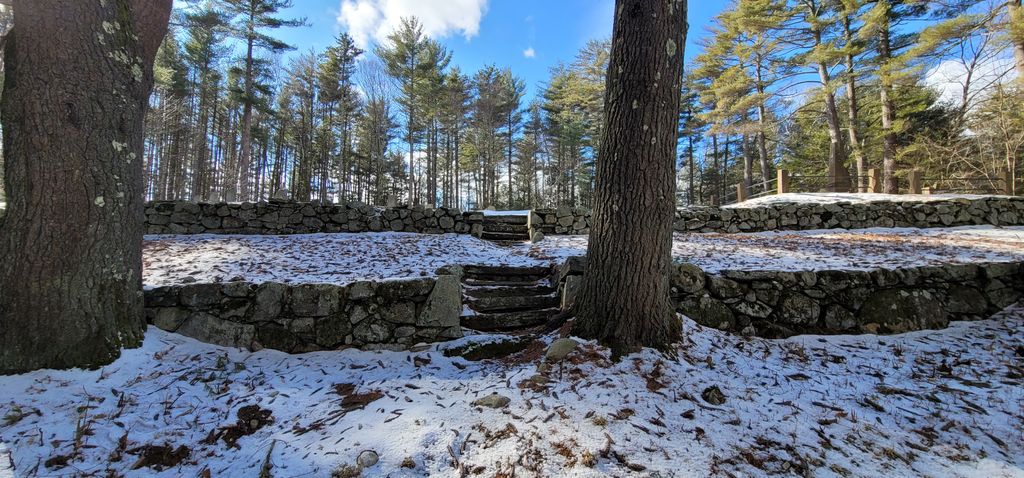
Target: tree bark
[
  {"x": 852, "y": 106},
  {"x": 889, "y": 185},
  {"x": 239, "y": 177},
  {"x": 624, "y": 301},
  {"x": 839, "y": 176},
  {"x": 77, "y": 85}
]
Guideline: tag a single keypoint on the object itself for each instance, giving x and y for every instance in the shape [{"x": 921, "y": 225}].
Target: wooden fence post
[
  {"x": 782, "y": 181},
  {"x": 915, "y": 181},
  {"x": 741, "y": 192},
  {"x": 874, "y": 180},
  {"x": 1008, "y": 187}
]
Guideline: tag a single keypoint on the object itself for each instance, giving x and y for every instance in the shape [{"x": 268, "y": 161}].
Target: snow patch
[
  {"x": 856, "y": 198},
  {"x": 930, "y": 403},
  {"x": 835, "y": 249}
]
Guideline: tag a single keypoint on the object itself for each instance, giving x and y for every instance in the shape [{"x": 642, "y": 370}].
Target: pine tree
[
  {"x": 412, "y": 59},
  {"x": 512, "y": 90},
  {"x": 341, "y": 100},
  {"x": 171, "y": 89},
  {"x": 248, "y": 19},
  {"x": 455, "y": 109},
  {"x": 820, "y": 55},
  {"x": 204, "y": 49},
  {"x": 1015, "y": 29}
]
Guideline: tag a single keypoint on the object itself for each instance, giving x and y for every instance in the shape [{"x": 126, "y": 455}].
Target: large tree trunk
[
  {"x": 624, "y": 301},
  {"x": 839, "y": 176},
  {"x": 240, "y": 175},
  {"x": 77, "y": 85},
  {"x": 888, "y": 115},
  {"x": 852, "y": 106}
]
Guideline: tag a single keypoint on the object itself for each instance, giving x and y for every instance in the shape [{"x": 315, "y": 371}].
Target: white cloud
[
  {"x": 950, "y": 76},
  {"x": 529, "y": 53},
  {"x": 370, "y": 21}
]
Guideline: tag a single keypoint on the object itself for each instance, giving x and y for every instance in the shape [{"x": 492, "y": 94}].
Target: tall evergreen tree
[
  {"x": 204, "y": 49},
  {"x": 341, "y": 101},
  {"x": 248, "y": 19},
  {"x": 413, "y": 59}
]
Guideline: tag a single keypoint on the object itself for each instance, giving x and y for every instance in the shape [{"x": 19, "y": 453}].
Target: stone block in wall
[
  {"x": 688, "y": 278},
  {"x": 315, "y": 300},
  {"x": 570, "y": 290},
  {"x": 200, "y": 295},
  {"x": 208, "y": 328},
  {"x": 900, "y": 310},
  {"x": 169, "y": 318},
  {"x": 965, "y": 300},
  {"x": 372, "y": 332},
  {"x": 443, "y": 307},
  {"x": 798, "y": 309},
  {"x": 708, "y": 311}
]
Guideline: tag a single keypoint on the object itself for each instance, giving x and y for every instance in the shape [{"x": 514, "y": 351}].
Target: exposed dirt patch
[
  {"x": 159, "y": 457},
  {"x": 250, "y": 419},
  {"x": 350, "y": 400}
]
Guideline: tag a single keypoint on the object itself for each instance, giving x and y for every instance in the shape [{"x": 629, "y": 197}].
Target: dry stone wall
[
  {"x": 998, "y": 211},
  {"x": 781, "y": 304},
  {"x": 390, "y": 315},
  {"x": 560, "y": 221},
  {"x": 285, "y": 217}
]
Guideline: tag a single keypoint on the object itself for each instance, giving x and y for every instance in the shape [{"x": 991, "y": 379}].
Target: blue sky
[{"x": 481, "y": 32}]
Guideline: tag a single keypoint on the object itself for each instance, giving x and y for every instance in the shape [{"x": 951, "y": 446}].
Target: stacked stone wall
[
  {"x": 283, "y": 217},
  {"x": 883, "y": 301},
  {"x": 782, "y": 304},
  {"x": 389, "y": 315},
  {"x": 997, "y": 211}
]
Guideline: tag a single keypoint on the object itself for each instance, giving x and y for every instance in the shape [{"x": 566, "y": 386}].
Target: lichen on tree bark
[
  {"x": 624, "y": 301},
  {"x": 77, "y": 84}
]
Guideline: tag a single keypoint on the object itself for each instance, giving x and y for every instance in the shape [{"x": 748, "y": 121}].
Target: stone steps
[
  {"x": 508, "y": 321},
  {"x": 506, "y": 228},
  {"x": 518, "y": 220},
  {"x": 486, "y": 291},
  {"x": 504, "y": 236},
  {"x": 504, "y": 270},
  {"x": 514, "y": 303},
  {"x": 498, "y": 283},
  {"x": 502, "y": 298}
]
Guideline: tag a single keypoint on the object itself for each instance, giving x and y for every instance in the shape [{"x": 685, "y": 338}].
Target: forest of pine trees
[
  {"x": 829, "y": 89},
  {"x": 233, "y": 119},
  {"x": 825, "y": 88}
]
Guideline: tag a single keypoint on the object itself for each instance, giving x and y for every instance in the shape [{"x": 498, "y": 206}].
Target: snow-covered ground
[
  {"x": 935, "y": 403},
  {"x": 835, "y": 249},
  {"x": 344, "y": 258},
  {"x": 831, "y": 198},
  {"x": 314, "y": 258}
]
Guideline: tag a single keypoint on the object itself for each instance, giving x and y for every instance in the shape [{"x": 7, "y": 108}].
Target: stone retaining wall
[
  {"x": 560, "y": 221},
  {"x": 781, "y": 304},
  {"x": 389, "y": 315},
  {"x": 284, "y": 217},
  {"x": 997, "y": 211}
]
